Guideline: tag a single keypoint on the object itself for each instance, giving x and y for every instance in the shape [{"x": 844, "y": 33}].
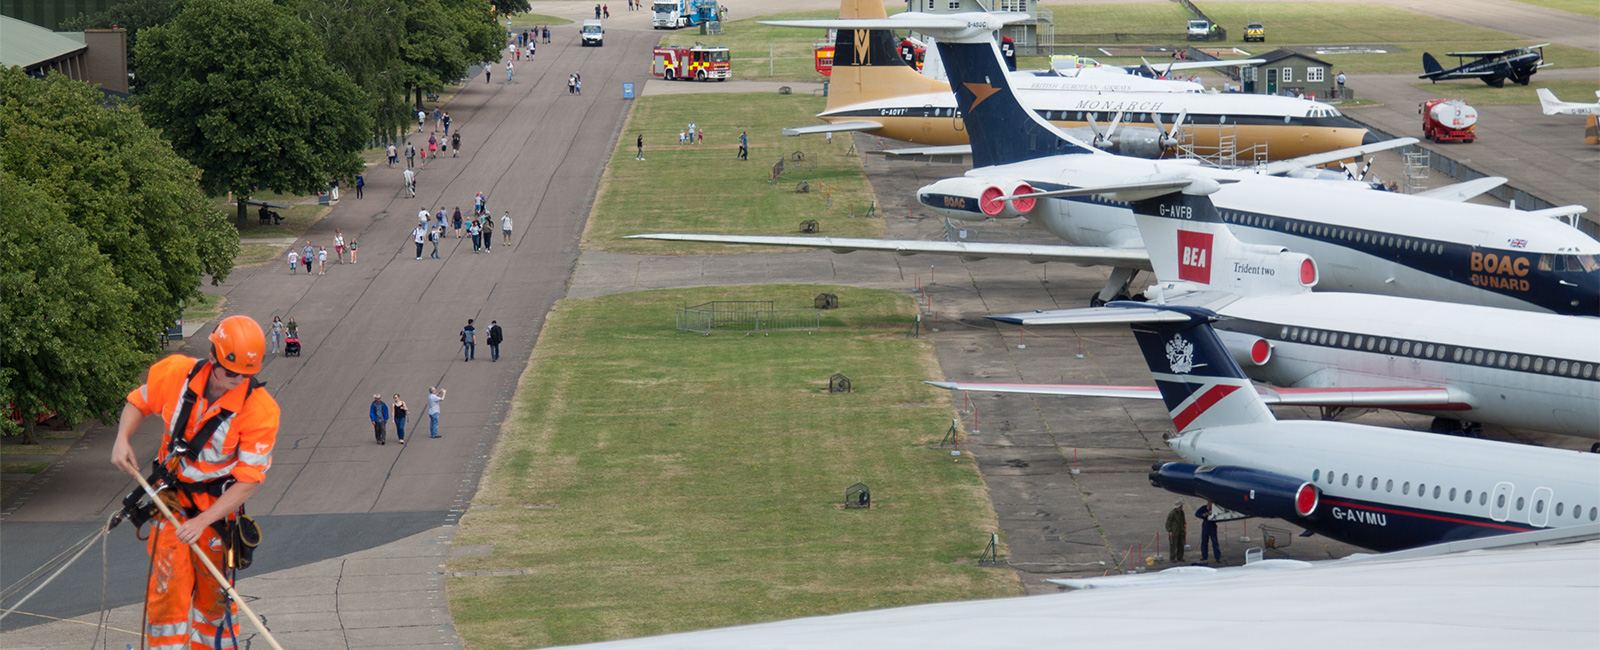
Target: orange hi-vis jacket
[{"x": 241, "y": 443}]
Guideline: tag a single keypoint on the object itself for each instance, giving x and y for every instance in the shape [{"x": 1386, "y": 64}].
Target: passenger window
[
  {"x": 1483, "y": 498},
  {"x": 1559, "y": 508},
  {"x": 1371, "y": 343},
  {"x": 1524, "y": 363},
  {"x": 1538, "y": 365},
  {"x": 1500, "y": 501},
  {"x": 1388, "y": 486},
  {"x": 1588, "y": 370},
  {"x": 1435, "y": 491},
  {"x": 1315, "y": 475},
  {"x": 1344, "y": 480},
  {"x": 1422, "y": 490},
  {"x": 1406, "y": 488},
  {"x": 1502, "y": 362},
  {"x": 1467, "y": 497},
  {"x": 1429, "y": 353},
  {"x": 1520, "y": 502},
  {"x": 1344, "y": 341},
  {"x": 1374, "y": 484},
  {"x": 1452, "y": 494},
  {"x": 1405, "y": 348},
  {"x": 1457, "y": 356},
  {"x": 1359, "y": 480},
  {"x": 1538, "y": 506},
  {"x": 1563, "y": 369},
  {"x": 1593, "y": 513}
]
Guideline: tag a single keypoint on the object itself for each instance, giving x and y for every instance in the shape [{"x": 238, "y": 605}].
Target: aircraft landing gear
[
  {"x": 1116, "y": 287},
  {"x": 1456, "y": 427}
]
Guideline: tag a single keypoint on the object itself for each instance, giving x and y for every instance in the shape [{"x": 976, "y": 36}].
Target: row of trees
[{"x": 110, "y": 217}]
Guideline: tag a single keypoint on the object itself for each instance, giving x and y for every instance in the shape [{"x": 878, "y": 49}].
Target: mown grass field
[
  {"x": 1586, "y": 7},
  {"x": 1479, "y": 93},
  {"x": 752, "y": 44},
  {"x": 1302, "y": 24},
  {"x": 704, "y": 189},
  {"x": 651, "y": 481},
  {"x": 529, "y": 20}
]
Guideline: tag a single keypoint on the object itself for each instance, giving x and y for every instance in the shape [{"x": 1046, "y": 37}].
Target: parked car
[
  {"x": 1199, "y": 29},
  {"x": 1255, "y": 32}
]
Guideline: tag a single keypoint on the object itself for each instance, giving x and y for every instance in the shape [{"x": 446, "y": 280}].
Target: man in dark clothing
[
  {"x": 468, "y": 347},
  {"x": 379, "y": 414},
  {"x": 1208, "y": 531},
  {"x": 1177, "y": 533},
  {"x": 495, "y": 337}
]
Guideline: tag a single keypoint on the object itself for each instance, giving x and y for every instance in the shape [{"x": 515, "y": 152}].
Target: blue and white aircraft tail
[
  {"x": 1199, "y": 381},
  {"x": 1000, "y": 130}
]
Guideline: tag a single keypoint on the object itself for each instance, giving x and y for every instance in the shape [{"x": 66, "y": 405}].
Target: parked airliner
[
  {"x": 1374, "y": 487},
  {"x": 872, "y": 90},
  {"x": 1458, "y": 363},
  {"x": 1366, "y": 241}
]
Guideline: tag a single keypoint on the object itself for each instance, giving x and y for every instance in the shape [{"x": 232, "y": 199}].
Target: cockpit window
[
  {"x": 1572, "y": 263},
  {"x": 1587, "y": 262}
]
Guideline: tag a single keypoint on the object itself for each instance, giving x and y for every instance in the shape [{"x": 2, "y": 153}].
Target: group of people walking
[
  {"x": 379, "y": 413},
  {"x": 306, "y": 254},
  {"x": 479, "y": 227}
]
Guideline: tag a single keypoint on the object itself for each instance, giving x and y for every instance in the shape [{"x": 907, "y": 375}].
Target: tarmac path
[{"x": 385, "y": 325}]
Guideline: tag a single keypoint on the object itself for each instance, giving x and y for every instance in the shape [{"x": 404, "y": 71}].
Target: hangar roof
[{"x": 26, "y": 44}]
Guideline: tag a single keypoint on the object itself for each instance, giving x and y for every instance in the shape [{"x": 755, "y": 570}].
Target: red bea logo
[{"x": 1194, "y": 256}]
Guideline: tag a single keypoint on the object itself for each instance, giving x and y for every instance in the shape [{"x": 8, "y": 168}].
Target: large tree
[
  {"x": 106, "y": 235},
  {"x": 244, "y": 90},
  {"x": 443, "y": 38},
  {"x": 362, "y": 38},
  {"x": 131, "y": 15}
]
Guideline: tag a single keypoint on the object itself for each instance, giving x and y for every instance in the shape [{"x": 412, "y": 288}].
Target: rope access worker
[{"x": 220, "y": 430}]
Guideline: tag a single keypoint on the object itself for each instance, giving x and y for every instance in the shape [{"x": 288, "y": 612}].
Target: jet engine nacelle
[
  {"x": 1243, "y": 490},
  {"x": 976, "y": 199}
]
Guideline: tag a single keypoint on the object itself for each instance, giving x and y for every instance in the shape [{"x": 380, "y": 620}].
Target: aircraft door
[
  {"x": 1272, "y": 81},
  {"x": 1500, "y": 502},
  {"x": 1539, "y": 517}
]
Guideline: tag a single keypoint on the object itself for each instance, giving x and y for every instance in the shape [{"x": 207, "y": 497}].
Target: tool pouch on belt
[{"x": 243, "y": 538}]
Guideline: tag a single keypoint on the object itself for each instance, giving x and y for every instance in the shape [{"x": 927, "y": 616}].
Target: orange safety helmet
[{"x": 239, "y": 345}]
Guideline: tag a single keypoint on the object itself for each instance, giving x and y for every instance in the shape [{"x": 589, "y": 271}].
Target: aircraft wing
[
  {"x": 837, "y": 127},
  {"x": 1553, "y": 106},
  {"x": 956, "y": 153},
  {"x": 1401, "y": 397},
  {"x": 1121, "y": 312},
  {"x": 1190, "y": 65},
  {"x": 1513, "y": 50},
  {"x": 1286, "y": 166},
  {"x": 1133, "y": 258},
  {"x": 1464, "y": 191}
]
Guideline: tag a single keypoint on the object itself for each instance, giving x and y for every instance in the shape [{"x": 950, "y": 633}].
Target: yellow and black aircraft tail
[{"x": 867, "y": 65}]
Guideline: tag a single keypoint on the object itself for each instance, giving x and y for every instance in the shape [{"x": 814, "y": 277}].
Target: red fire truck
[{"x": 699, "y": 63}]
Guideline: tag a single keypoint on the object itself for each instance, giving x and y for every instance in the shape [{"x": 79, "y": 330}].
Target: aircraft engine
[
  {"x": 976, "y": 199},
  {"x": 1243, "y": 490},
  {"x": 1267, "y": 270},
  {"x": 1135, "y": 141}
]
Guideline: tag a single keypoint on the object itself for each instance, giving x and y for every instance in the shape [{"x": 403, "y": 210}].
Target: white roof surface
[{"x": 1540, "y": 597}]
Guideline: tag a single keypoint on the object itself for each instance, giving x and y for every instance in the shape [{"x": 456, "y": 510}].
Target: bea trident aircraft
[
  {"x": 872, "y": 90},
  {"x": 1366, "y": 241},
  {"x": 1347, "y": 350}
]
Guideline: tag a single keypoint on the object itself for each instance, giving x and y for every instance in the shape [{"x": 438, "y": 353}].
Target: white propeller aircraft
[
  {"x": 1553, "y": 106},
  {"x": 1346, "y": 350},
  {"x": 874, "y": 91},
  {"x": 1367, "y": 241}
]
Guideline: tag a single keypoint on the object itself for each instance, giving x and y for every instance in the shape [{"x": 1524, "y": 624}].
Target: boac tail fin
[
  {"x": 1199, "y": 380},
  {"x": 1000, "y": 129},
  {"x": 1430, "y": 65}
]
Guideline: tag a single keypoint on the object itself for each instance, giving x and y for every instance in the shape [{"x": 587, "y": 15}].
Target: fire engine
[
  {"x": 911, "y": 51},
  {"x": 1448, "y": 120},
  {"x": 698, "y": 63}
]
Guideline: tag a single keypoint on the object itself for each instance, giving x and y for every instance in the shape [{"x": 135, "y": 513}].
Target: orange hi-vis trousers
[{"x": 184, "y": 604}]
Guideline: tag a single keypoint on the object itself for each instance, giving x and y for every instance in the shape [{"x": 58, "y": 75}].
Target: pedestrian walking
[
  {"x": 547, "y": 33},
  {"x": 275, "y": 332},
  {"x": 393, "y": 156},
  {"x": 455, "y": 220},
  {"x": 682, "y": 137},
  {"x": 439, "y": 217},
  {"x": 338, "y": 245},
  {"x": 508, "y": 71},
  {"x": 487, "y": 73},
  {"x": 293, "y": 328},
  {"x": 352, "y": 251},
  {"x": 422, "y": 218},
  {"x": 495, "y": 337},
  {"x": 417, "y": 236},
  {"x": 322, "y": 260},
  {"x": 1208, "y": 533},
  {"x": 306, "y": 253},
  {"x": 436, "y": 115},
  {"x": 605, "y": 11},
  {"x": 184, "y": 601},
  {"x": 702, "y": 137},
  {"x": 469, "y": 346},
  {"x": 399, "y": 419},
  {"x": 572, "y": 84},
  {"x": 639, "y": 154},
  {"x": 597, "y": 11},
  {"x": 455, "y": 144},
  {"x": 433, "y": 147},
  {"x": 361, "y": 182},
  {"x": 435, "y": 395},
  {"x": 476, "y": 234},
  {"x": 577, "y": 85},
  {"x": 423, "y": 154},
  {"x": 1177, "y": 534},
  {"x": 447, "y": 123},
  {"x": 479, "y": 202},
  {"x": 512, "y": 49},
  {"x": 1340, "y": 80},
  {"x": 505, "y": 226},
  {"x": 378, "y": 412},
  {"x": 411, "y": 155},
  {"x": 421, "y": 117},
  {"x": 744, "y": 145},
  {"x": 488, "y": 233},
  {"x": 294, "y": 260},
  {"x": 410, "y": 185},
  {"x": 433, "y": 236}
]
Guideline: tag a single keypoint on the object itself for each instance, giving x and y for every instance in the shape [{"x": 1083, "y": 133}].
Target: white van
[{"x": 593, "y": 33}]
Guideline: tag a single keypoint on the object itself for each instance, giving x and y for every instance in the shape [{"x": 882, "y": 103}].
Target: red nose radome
[{"x": 1306, "y": 500}]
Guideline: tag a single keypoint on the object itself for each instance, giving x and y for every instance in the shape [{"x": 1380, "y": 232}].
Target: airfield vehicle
[
  {"x": 1199, "y": 30},
  {"x": 1448, "y": 120},
  {"x": 1254, "y": 32},
  {"x": 699, "y": 63},
  {"x": 593, "y": 32}
]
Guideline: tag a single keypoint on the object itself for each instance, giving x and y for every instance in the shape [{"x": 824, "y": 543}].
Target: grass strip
[
  {"x": 1480, "y": 94},
  {"x": 766, "y": 52},
  {"x": 704, "y": 189},
  {"x": 650, "y": 481},
  {"x": 529, "y": 20}
]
